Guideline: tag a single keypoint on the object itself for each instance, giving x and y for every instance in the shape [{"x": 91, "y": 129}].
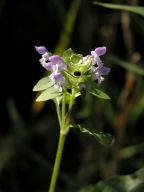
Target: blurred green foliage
[{"x": 127, "y": 183}]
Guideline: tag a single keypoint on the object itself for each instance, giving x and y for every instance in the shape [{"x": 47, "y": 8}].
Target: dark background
[{"x": 28, "y": 134}]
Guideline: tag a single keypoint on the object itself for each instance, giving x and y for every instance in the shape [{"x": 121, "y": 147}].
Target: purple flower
[
  {"x": 48, "y": 65},
  {"x": 44, "y": 61},
  {"x": 56, "y": 77},
  {"x": 59, "y": 80},
  {"x": 103, "y": 70},
  {"x": 98, "y": 70},
  {"x": 96, "y": 54},
  {"x": 53, "y": 63},
  {"x": 56, "y": 59},
  {"x": 99, "y": 51},
  {"x": 41, "y": 49},
  {"x": 58, "y": 63}
]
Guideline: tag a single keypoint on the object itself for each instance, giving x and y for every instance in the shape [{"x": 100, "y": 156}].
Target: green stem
[
  {"x": 62, "y": 138},
  {"x": 63, "y": 112},
  {"x": 72, "y": 100},
  {"x": 58, "y": 112}
]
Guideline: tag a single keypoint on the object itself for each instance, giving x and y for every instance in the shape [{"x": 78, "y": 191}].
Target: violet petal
[
  {"x": 100, "y": 51},
  {"x": 57, "y": 77},
  {"x": 48, "y": 66},
  {"x": 41, "y": 49},
  {"x": 103, "y": 70},
  {"x": 56, "y": 59}
]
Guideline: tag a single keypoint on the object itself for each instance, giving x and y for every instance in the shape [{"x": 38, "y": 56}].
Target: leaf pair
[{"x": 48, "y": 90}]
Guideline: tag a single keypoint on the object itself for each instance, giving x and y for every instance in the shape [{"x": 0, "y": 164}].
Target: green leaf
[
  {"x": 76, "y": 58},
  {"x": 134, "y": 9},
  {"x": 67, "y": 55},
  {"x": 102, "y": 138},
  {"x": 127, "y": 65},
  {"x": 98, "y": 93},
  {"x": 43, "y": 84},
  {"x": 48, "y": 94},
  {"x": 124, "y": 183}
]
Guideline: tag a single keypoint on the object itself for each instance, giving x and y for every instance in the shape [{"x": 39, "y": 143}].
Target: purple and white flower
[
  {"x": 53, "y": 63},
  {"x": 98, "y": 70},
  {"x": 96, "y": 55},
  {"x": 59, "y": 80}
]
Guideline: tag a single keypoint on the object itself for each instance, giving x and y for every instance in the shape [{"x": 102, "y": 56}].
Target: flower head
[{"x": 89, "y": 67}]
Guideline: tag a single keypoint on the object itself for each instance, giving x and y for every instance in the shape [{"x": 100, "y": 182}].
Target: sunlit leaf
[
  {"x": 102, "y": 138},
  {"x": 48, "y": 94},
  {"x": 125, "y": 183},
  {"x": 134, "y": 9},
  {"x": 98, "y": 93},
  {"x": 43, "y": 84}
]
